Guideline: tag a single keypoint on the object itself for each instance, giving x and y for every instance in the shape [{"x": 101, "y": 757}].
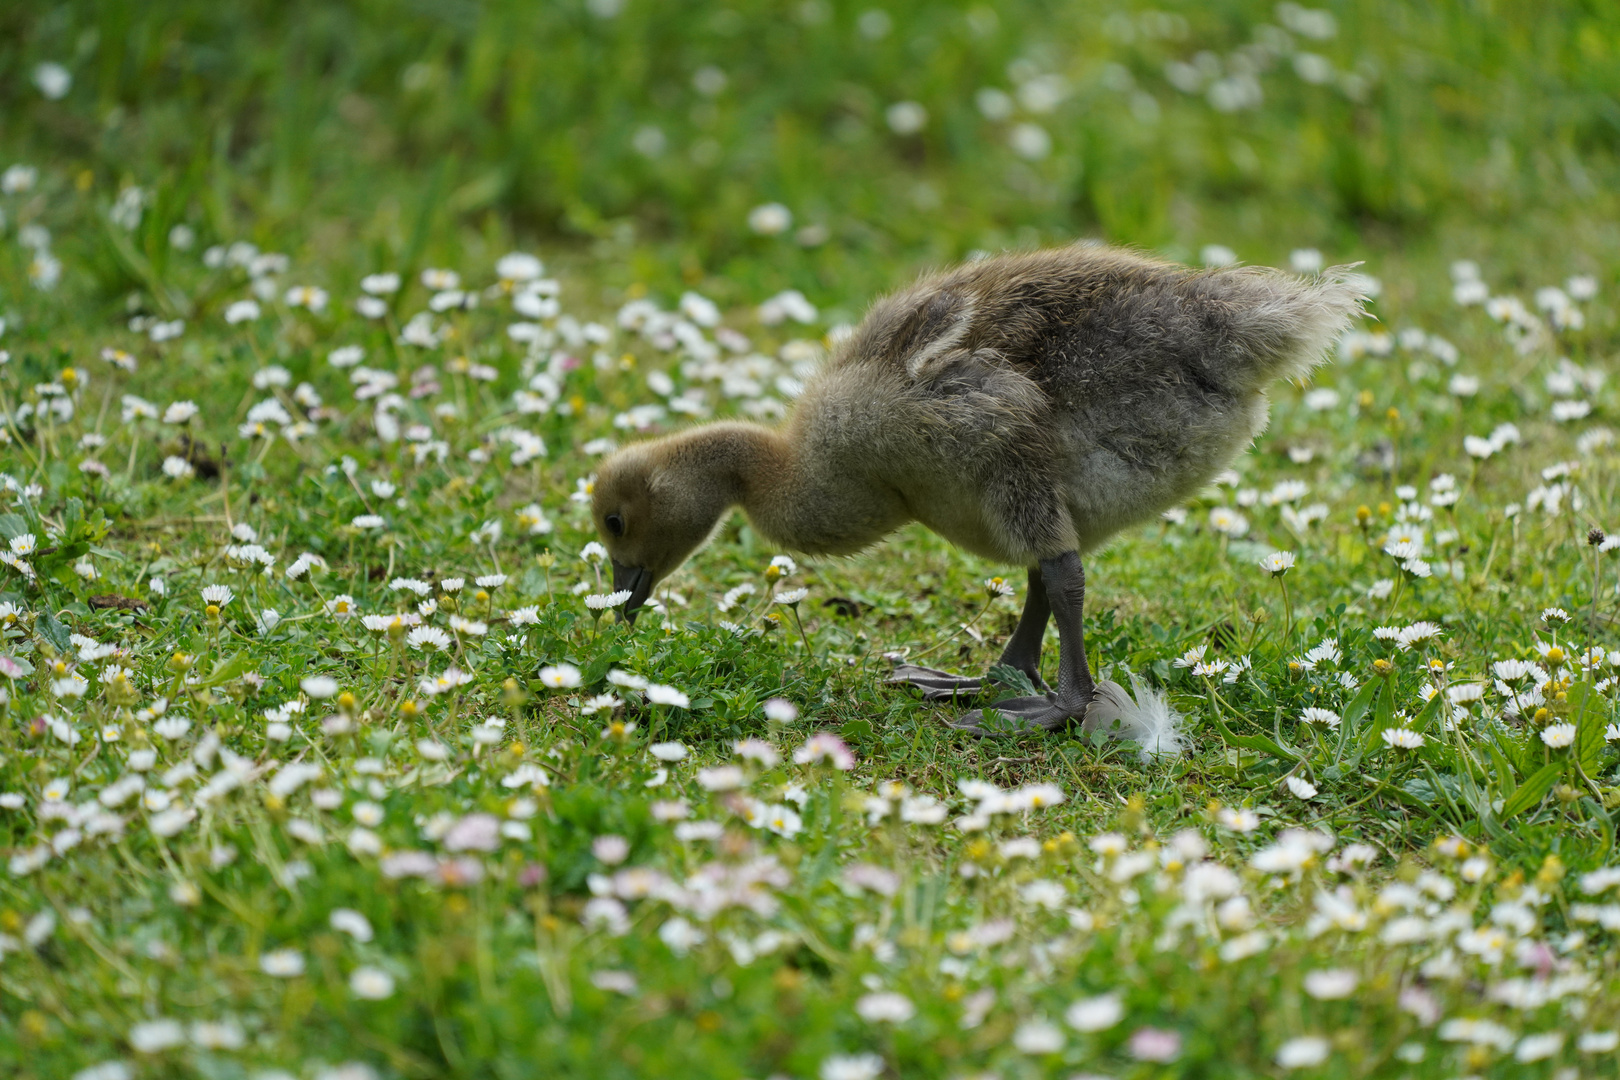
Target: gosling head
[{"x": 655, "y": 503}]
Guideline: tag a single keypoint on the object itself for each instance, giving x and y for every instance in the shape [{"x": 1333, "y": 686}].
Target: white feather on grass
[{"x": 1147, "y": 719}]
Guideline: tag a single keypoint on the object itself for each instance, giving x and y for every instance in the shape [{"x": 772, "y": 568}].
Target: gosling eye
[{"x": 615, "y": 524}]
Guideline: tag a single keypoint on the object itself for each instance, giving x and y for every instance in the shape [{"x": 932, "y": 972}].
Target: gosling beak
[{"x": 639, "y": 581}]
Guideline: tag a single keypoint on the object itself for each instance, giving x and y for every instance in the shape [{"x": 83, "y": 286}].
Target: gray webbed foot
[
  {"x": 939, "y": 685},
  {"x": 1043, "y": 712},
  {"x": 935, "y": 685}
]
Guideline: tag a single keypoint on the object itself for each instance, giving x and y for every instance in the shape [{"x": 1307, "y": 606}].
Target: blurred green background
[{"x": 901, "y": 134}]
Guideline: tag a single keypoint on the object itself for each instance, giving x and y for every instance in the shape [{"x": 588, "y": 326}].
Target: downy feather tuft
[{"x": 1147, "y": 719}]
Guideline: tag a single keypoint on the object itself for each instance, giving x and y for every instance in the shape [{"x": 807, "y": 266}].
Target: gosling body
[{"x": 1025, "y": 407}]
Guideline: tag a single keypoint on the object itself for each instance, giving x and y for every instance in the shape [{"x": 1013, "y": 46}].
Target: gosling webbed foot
[
  {"x": 1043, "y": 712},
  {"x": 939, "y": 685},
  {"x": 935, "y": 685}
]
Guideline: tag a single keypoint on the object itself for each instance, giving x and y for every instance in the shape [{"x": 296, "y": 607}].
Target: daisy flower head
[
  {"x": 1418, "y": 568},
  {"x": 1238, "y": 820},
  {"x": 826, "y": 747},
  {"x": 560, "y": 676},
  {"x": 319, "y": 687},
  {"x": 1228, "y": 522},
  {"x": 532, "y": 520},
  {"x": 1192, "y": 657},
  {"x": 380, "y": 284},
  {"x": 1400, "y": 738},
  {"x": 180, "y": 412},
  {"x": 1418, "y": 633},
  {"x": 780, "y": 711},
  {"x": 1096, "y": 1013},
  {"x": 1326, "y": 652},
  {"x": 428, "y": 637},
  {"x": 241, "y": 311},
  {"x": 1154, "y": 1044},
  {"x": 1303, "y": 1052},
  {"x": 1558, "y": 736},
  {"x": 311, "y": 297},
  {"x": 282, "y": 963},
  {"x": 620, "y": 677},
  {"x": 1403, "y": 550},
  {"x": 1302, "y": 788},
  {"x": 304, "y": 564},
  {"x": 603, "y": 601},
  {"x": 452, "y": 677},
  {"x": 734, "y": 596},
  {"x": 659, "y": 694},
  {"x": 1038, "y": 1038},
  {"x": 852, "y": 1067},
  {"x": 439, "y": 280},
  {"x": 758, "y": 751},
  {"x": 371, "y": 983},
  {"x": 518, "y": 266},
  {"x": 1277, "y": 563},
  {"x": 885, "y": 1007},
  {"x": 770, "y": 219}
]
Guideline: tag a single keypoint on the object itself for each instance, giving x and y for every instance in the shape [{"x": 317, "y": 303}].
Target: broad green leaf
[
  {"x": 1354, "y": 711},
  {"x": 226, "y": 670},
  {"x": 51, "y": 628},
  {"x": 1251, "y": 742},
  {"x": 1383, "y": 713},
  {"x": 1507, "y": 780},
  {"x": 1533, "y": 790},
  {"x": 1426, "y": 717},
  {"x": 1590, "y": 713},
  {"x": 1350, "y": 724}
]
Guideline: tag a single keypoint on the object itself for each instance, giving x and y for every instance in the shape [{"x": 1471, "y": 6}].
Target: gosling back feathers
[{"x": 1072, "y": 391}]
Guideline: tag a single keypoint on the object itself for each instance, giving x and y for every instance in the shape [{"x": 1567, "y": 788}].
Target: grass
[{"x": 253, "y": 836}]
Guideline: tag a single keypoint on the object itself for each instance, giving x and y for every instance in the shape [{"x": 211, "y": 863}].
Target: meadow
[{"x": 322, "y": 754}]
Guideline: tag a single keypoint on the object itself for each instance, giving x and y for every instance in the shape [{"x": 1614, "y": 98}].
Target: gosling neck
[{"x": 801, "y": 500}]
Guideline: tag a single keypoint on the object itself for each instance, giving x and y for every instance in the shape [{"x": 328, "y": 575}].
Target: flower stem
[
  {"x": 1597, "y": 577},
  {"x": 794, "y": 608},
  {"x": 965, "y": 626},
  {"x": 1288, "y": 615}
]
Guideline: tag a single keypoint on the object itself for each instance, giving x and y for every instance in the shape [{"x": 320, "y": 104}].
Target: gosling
[{"x": 1025, "y": 407}]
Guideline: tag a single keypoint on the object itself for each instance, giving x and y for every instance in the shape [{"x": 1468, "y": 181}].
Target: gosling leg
[
  {"x": 1023, "y": 652},
  {"x": 1065, "y": 581}
]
